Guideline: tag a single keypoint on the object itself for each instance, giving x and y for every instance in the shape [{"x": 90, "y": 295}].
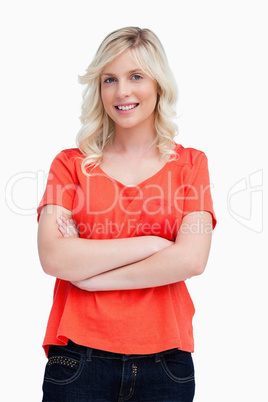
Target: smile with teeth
[{"x": 127, "y": 107}]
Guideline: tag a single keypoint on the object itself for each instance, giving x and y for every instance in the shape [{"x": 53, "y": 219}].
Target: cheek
[
  {"x": 105, "y": 96},
  {"x": 150, "y": 98},
  {"x": 149, "y": 93},
  {"x": 107, "y": 102}
]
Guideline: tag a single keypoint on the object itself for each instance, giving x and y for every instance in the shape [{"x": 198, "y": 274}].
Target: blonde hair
[{"x": 97, "y": 128}]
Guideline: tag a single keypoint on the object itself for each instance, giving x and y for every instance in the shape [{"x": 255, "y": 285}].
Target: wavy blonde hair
[{"x": 97, "y": 128}]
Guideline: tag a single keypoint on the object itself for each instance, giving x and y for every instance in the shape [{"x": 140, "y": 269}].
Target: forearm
[
  {"x": 184, "y": 259},
  {"x": 165, "y": 267},
  {"x": 66, "y": 256},
  {"x": 76, "y": 259}
]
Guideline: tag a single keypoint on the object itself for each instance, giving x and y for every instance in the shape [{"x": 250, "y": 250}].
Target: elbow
[
  {"x": 48, "y": 264},
  {"x": 50, "y": 257},
  {"x": 197, "y": 267}
]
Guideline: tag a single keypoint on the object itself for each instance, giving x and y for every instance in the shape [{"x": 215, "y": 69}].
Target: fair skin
[
  {"x": 186, "y": 257},
  {"x": 75, "y": 259},
  {"x": 132, "y": 158},
  {"x": 129, "y": 97}
]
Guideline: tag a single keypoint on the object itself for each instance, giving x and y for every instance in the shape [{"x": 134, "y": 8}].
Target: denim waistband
[{"x": 91, "y": 353}]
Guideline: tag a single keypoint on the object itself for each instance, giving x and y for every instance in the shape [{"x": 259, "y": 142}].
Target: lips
[{"x": 128, "y": 106}]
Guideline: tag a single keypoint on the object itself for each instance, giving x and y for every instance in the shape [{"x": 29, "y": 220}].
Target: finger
[
  {"x": 72, "y": 231},
  {"x": 72, "y": 228},
  {"x": 62, "y": 226},
  {"x": 67, "y": 227}
]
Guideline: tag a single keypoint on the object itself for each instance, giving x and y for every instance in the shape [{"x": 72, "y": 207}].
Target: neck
[{"x": 134, "y": 140}]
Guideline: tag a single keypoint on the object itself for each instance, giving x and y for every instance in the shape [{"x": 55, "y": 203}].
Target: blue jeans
[{"x": 76, "y": 373}]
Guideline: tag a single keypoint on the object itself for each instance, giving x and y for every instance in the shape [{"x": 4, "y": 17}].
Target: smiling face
[{"x": 128, "y": 94}]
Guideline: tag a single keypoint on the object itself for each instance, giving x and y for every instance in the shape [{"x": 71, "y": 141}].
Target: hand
[{"x": 67, "y": 227}]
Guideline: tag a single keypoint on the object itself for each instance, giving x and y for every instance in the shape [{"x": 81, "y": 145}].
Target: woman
[{"x": 125, "y": 219}]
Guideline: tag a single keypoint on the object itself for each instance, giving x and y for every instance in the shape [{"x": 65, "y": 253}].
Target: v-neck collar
[{"x": 142, "y": 183}]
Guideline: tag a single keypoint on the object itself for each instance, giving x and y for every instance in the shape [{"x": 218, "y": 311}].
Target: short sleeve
[
  {"x": 198, "y": 188},
  {"x": 61, "y": 183}
]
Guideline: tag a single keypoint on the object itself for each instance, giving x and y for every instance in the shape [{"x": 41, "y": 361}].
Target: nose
[{"x": 123, "y": 89}]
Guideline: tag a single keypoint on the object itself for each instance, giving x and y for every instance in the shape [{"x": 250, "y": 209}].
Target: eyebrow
[{"x": 137, "y": 70}]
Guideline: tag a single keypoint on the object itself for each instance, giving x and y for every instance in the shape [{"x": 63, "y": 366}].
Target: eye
[
  {"x": 136, "y": 77},
  {"x": 109, "y": 80}
]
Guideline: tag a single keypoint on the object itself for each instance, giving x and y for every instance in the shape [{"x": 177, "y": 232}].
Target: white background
[{"x": 218, "y": 52}]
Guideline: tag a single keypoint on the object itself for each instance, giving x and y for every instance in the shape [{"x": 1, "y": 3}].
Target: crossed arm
[{"x": 133, "y": 263}]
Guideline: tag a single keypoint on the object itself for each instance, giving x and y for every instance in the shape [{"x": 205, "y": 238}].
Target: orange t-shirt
[{"x": 139, "y": 321}]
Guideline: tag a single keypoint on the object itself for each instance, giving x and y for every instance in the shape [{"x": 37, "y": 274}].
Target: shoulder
[
  {"x": 70, "y": 153},
  {"x": 67, "y": 161},
  {"x": 188, "y": 156},
  {"x": 69, "y": 156}
]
